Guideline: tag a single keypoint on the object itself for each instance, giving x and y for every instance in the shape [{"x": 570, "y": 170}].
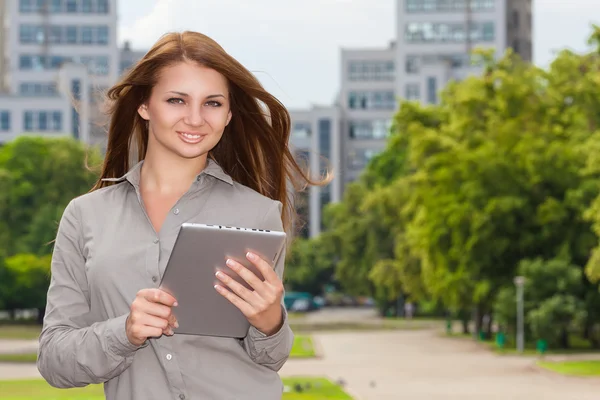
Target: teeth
[{"x": 189, "y": 136}]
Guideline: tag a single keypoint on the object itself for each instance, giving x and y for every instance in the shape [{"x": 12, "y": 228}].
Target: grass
[
  {"x": 19, "y": 358},
  {"x": 23, "y": 332},
  {"x": 574, "y": 368},
  {"x": 303, "y": 347},
  {"x": 578, "y": 346},
  {"x": 320, "y": 389},
  {"x": 374, "y": 325}
]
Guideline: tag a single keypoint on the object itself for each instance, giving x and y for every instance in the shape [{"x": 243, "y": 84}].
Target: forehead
[{"x": 191, "y": 78}]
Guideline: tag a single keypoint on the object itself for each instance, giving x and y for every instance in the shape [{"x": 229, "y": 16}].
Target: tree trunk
[
  {"x": 488, "y": 328},
  {"x": 465, "y": 326},
  {"x": 564, "y": 339},
  {"x": 12, "y": 313}
]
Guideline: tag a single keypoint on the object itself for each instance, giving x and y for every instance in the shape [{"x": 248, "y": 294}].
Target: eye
[
  {"x": 175, "y": 100},
  {"x": 214, "y": 103}
]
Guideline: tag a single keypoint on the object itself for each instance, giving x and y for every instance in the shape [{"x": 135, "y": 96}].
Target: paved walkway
[{"x": 417, "y": 365}]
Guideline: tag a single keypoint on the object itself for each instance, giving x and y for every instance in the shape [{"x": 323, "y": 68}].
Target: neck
[{"x": 168, "y": 173}]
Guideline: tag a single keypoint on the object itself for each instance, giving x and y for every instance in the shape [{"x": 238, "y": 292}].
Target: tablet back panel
[{"x": 199, "y": 251}]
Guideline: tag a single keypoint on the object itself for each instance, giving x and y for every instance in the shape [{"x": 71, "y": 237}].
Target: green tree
[
  {"x": 27, "y": 277},
  {"x": 38, "y": 177}
]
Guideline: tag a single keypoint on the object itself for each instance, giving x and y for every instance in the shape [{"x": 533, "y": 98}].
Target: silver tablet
[{"x": 200, "y": 250}]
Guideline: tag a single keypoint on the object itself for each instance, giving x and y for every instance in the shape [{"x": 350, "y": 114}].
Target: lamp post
[{"x": 519, "y": 283}]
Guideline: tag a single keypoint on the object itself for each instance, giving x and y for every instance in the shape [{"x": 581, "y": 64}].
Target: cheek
[{"x": 164, "y": 116}]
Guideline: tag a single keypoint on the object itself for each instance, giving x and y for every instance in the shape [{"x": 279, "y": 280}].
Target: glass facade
[
  {"x": 64, "y": 6},
  {"x": 61, "y": 34},
  {"x": 42, "y": 121},
  {"x": 414, "y": 6},
  {"x": 4, "y": 120},
  {"x": 367, "y": 130},
  {"x": 97, "y": 65},
  {"x": 372, "y": 100},
  {"x": 371, "y": 70},
  {"x": 449, "y": 32}
]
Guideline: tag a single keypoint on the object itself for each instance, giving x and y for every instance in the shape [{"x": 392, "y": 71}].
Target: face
[{"x": 187, "y": 111}]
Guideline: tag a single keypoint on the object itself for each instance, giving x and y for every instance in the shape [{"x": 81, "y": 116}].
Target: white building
[
  {"x": 54, "y": 56},
  {"x": 431, "y": 48}
]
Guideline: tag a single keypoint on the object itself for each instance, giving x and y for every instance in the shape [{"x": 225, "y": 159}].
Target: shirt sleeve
[
  {"x": 272, "y": 351},
  {"x": 75, "y": 349}
]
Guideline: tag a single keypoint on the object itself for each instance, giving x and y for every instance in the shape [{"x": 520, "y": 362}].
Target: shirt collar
[{"x": 212, "y": 168}]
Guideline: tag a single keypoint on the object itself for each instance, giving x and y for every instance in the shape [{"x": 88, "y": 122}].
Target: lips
[{"x": 190, "y": 137}]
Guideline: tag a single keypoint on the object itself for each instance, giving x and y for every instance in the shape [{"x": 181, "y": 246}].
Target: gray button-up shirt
[{"x": 106, "y": 250}]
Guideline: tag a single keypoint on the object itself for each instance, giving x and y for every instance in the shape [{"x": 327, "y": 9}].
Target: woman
[{"x": 213, "y": 146}]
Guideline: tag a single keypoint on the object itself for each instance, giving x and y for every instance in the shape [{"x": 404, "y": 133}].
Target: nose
[{"x": 194, "y": 117}]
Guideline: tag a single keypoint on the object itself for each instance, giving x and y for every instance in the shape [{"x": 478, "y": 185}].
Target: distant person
[
  {"x": 209, "y": 141},
  {"x": 409, "y": 310}
]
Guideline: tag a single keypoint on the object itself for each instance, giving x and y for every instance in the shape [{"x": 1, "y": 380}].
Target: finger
[
  {"x": 243, "y": 306},
  {"x": 155, "y": 309},
  {"x": 143, "y": 332},
  {"x": 264, "y": 267},
  {"x": 250, "y": 277},
  {"x": 159, "y": 296},
  {"x": 247, "y": 295},
  {"x": 152, "y": 321}
]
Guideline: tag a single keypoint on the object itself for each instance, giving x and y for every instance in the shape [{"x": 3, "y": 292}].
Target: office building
[
  {"x": 433, "y": 46},
  {"x": 55, "y": 56}
]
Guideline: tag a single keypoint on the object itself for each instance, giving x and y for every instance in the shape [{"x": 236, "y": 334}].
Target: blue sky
[{"x": 293, "y": 46}]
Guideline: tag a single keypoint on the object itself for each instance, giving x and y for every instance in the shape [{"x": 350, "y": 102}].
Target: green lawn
[
  {"x": 24, "y": 332},
  {"x": 578, "y": 345},
  {"x": 19, "y": 358},
  {"x": 320, "y": 389},
  {"x": 303, "y": 347},
  {"x": 578, "y": 368}
]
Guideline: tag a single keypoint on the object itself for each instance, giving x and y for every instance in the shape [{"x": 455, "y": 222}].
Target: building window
[
  {"x": 39, "y": 89},
  {"x": 376, "y": 100},
  {"x": 431, "y": 90},
  {"x": 371, "y": 70},
  {"x": 412, "y": 64},
  {"x": 102, "y": 35},
  {"x": 102, "y": 6},
  {"x": 28, "y": 120},
  {"x": 412, "y": 92},
  {"x": 416, "y": 6},
  {"x": 55, "y": 34},
  {"x": 442, "y": 32},
  {"x": 26, "y": 6},
  {"x": 369, "y": 130},
  {"x": 359, "y": 158},
  {"x": 71, "y": 6},
  {"x": 43, "y": 121},
  {"x": 87, "y": 36},
  {"x": 55, "y": 6},
  {"x": 57, "y": 121},
  {"x": 488, "y": 32},
  {"x": 4, "y": 121},
  {"x": 86, "y": 6},
  {"x": 101, "y": 67},
  {"x": 72, "y": 34},
  {"x": 301, "y": 130}
]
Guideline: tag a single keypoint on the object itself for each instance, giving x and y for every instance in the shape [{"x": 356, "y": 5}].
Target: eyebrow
[{"x": 182, "y": 94}]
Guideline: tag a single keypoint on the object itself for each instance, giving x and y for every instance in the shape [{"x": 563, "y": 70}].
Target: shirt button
[
  {"x": 155, "y": 241},
  {"x": 176, "y": 211},
  {"x": 154, "y": 279},
  {"x": 169, "y": 357},
  {"x": 182, "y": 396}
]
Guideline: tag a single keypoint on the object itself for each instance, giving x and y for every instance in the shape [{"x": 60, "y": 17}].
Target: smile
[{"x": 191, "y": 138}]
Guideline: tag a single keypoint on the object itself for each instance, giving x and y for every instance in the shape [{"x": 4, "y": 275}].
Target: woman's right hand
[{"x": 150, "y": 316}]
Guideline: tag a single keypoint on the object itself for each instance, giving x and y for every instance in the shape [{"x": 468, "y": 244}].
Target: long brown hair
[{"x": 254, "y": 148}]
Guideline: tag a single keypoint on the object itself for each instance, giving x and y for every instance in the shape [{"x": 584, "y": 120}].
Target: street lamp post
[{"x": 519, "y": 283}]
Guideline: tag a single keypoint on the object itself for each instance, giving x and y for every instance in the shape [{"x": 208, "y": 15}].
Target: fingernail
[
  {"x": 171, "y": 332},
  {"x": 176, "y": 324},
  {"x": 175, "y": 304},
  {"x": 229, "y": 262},
  {"x": 251, "y": 256}
]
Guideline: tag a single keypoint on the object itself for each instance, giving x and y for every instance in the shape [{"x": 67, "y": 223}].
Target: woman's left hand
[{"x": 261, "y": 306}]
